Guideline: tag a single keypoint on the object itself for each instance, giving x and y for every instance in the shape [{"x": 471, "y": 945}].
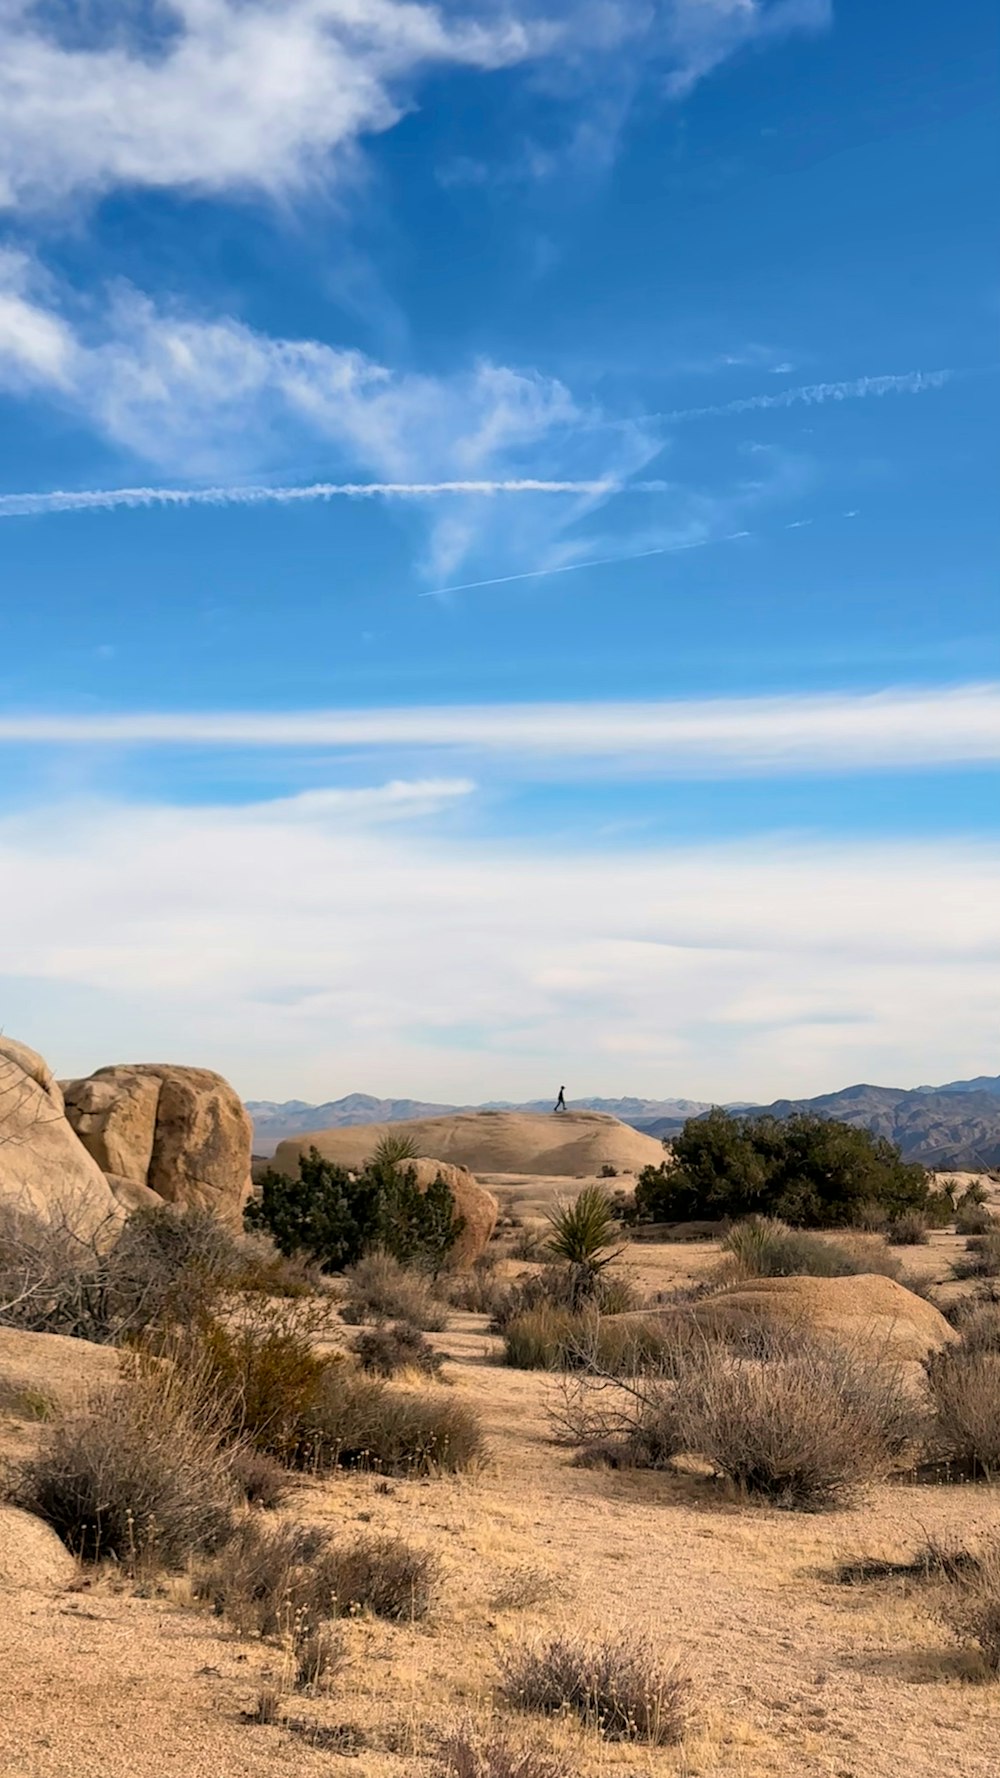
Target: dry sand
[{"x": 794, "y": 1676}]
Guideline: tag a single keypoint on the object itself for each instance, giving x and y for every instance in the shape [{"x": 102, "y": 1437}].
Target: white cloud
[
  {"x": 840, "y": 732},
  {"x": 218, "y": 96},
  {"x": 303, "y": 949}
]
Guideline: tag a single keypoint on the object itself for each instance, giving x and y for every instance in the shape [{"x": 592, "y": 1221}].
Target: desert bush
[
  {"x": 260, "y": 1479},
  {"x": 908, "y": 1230},
  {"x": 609, "y": 1170},
  {"x": 971, "y": 1607},
  {"x": 979, "y": 1326},
  {"x": 389, "y": 1348},
  {"x": 619, "y": 1687},
  {"x": 561, "y": 1287},
  {"x": 384, "y": 1575},
  {"x": 136, "y": 1476},
  {"x": 337, "y": 1216},
  {"x": 362, "y": 1422},
  {"x": 479, "y": 1291},
  {"x": 287, "y": 1579},
  {"x": 808, "y": 1170},
  {"x": 973, "y": 1219},
  {"x": 319, "y": 1652},
  {"x": 382, "y": 1289},
  {"x": 266, "y": 1375},
  {"x": 981, "y": 1258},
  {"x": 800, "y": 1431},
  {"x": 466, "y": 1754},
  {"x": 964, "y": 1383},
  {"x": 765, "y": 1247},
  {"x": 561, "y": 1339}
]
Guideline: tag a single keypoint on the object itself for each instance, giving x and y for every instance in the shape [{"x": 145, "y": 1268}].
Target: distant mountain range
[{"x": 952, "y": 1126}]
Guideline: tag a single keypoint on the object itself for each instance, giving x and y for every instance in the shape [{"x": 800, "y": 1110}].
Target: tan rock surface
[
  {"x": 32, "y": 1559},
  {"x": 868, "y": 1309},
  {"x": 114, "y": 1114},
  {"x": 569, "y": 1145},
  {"x": 51, "y": 1368},
  {"x": 44, "y": 1168},
  {"x": 181, "y": 1132}
]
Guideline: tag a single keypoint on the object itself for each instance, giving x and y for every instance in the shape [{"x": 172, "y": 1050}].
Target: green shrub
[
  {"x": 765, "y": 1247},
  {"x": 337, "y": 1216},
  {"x": 964, "y": 1384},
  {"x": 619, "y": 1687},
  {"x": 380, "y": 1288},
  {"x": 803, "y": 1168},
  {"x": 136, "y": 1476},
  {"x": 266, "y": 1376},
  {"x": 385, "y": 1350},
  {"x": 583, "y": 1235}
]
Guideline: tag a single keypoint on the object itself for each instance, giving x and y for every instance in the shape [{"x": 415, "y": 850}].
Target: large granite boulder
[
  {"x": 181, "y": 1133},
  {"x": 44, "y": 1168}
]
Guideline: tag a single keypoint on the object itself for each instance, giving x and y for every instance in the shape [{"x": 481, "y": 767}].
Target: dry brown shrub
[
  {"x": 964, "y": 1383},
  {"x": 360, "y": 1422},
  {"x": 466, "y": 1754},
  {"x": 386, "y": 1350},
  {"x": 384, "y": 1575},
  {"x": 261, "y": 1479},
  {"x": 287, "y": 1579},
  {"x": 136, "y": 1476},
  {"x": 619, "y": 1686},
  {"x": 971, "y": 1607},
  {"x": 380, "y": 1289}
]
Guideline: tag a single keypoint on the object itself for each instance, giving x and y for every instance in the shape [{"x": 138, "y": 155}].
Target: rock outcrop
[
  {"x": 44, "y": 1168},
  {"x": 572, "y": 1144},
  {"x": 866, "y": 1309},
  {"x": 181, "y": 1133},
  {"x": 32, "y": 1559}
]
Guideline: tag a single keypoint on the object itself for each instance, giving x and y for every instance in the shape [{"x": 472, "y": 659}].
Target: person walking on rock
[{"x": 560, "y": 1104}]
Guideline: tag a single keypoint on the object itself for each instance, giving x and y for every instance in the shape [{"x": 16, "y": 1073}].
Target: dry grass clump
[
  {"x": 286, "y": 1580},
  {"x": 136, "y": 1476},
  {"x": 619, "y": 1686},
  {"x": 979, "y": 1326},
  {"x": 964, "y": 1383},
  {"x": 982, "y": 1255},
  {"x": 363, "y": 1423},
  {"x": 973, "y": 1218},
  {"x": 908, "y": 1230},
  {"x": 561, "y": 1339},
  {"x": 562, "y": 1287},
  {"x": 468, "y": 1755},
  {"x": 971, "y": 1607},
  {"x": 380, "y": 1289},
  {"x": 766, "y": 1247},
  {"x": 261, "y": 1479},
  {"x": 479, "y": 1291},
  {"x": 385, "y": 1350},
  {"x": 267, "y": 1377}
]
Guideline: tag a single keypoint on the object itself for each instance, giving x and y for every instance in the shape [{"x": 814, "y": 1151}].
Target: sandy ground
[{"x": 793, "y": 1676}]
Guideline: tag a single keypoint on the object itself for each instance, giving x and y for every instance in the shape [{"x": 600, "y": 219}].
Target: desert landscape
[{"x": 731, "y": 1633}]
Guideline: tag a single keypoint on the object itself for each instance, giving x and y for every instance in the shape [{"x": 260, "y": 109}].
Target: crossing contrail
[{"x": 666, "y": 549}]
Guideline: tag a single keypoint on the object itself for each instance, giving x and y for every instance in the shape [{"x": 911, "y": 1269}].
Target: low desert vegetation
[
  {"x": 911, "y": 1229},
  {"x": 272, "y": 1579},
  {"x": 619, "y": 1687},
  {"x": 807, "y": 1170},
  {"x": 981, "y": 1258},
  {"x": 971, "y": 1607},
  {"x": 584, "y": 1234},
  {"x": 801, "y": 1429},
  {"x": 563, "y": 1339},
  {"x": 766, "y": 1247},
  {"x": 467, "y": 1754},
  {"x": 337, "y": 1216},
  {"x": 380, "y": 1288},
  {"x": 136, "y": 1477},
  {"x": 558, "y": 1288},
  {"x": 964, "y": 1384},
  {"x": 395, "y": 1347}
]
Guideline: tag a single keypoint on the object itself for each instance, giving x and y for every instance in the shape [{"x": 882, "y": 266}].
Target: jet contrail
[
  {"x": 666, "y": 549},
  {"x": 910, "y": 382},
  {"x": 106, "y": 499}
]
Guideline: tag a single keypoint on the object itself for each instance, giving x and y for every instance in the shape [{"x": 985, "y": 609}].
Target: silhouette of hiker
[{"x": 560, "y": 1104}]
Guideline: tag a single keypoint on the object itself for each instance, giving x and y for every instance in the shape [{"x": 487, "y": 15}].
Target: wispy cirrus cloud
[
  {"x": 274, "y": 96},
  {"x": 909, "y": 382},
  {"x": 720, "y": 737}
]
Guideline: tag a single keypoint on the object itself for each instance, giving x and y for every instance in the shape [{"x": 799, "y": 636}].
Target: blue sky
[{"x": 663, "y": 331}]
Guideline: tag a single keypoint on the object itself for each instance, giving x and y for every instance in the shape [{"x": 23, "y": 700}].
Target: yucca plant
[{"x": 583, "y": 1235}]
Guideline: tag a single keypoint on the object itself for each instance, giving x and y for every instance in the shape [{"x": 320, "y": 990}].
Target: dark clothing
[{"x": 560, "y": 1104}]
